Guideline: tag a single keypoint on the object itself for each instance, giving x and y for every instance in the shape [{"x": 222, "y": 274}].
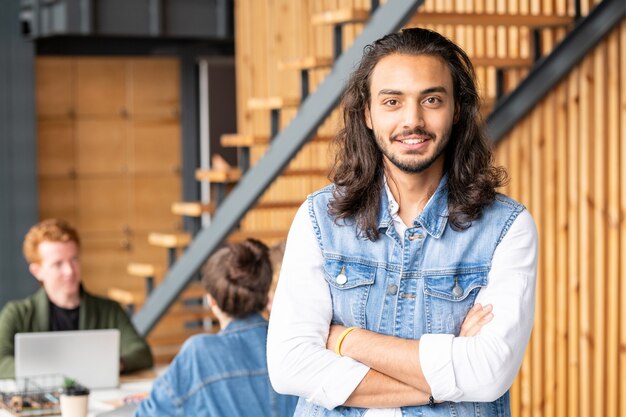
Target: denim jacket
[
  {"x": 220, "y": 375},
  {"x": 406, "y": 286}
]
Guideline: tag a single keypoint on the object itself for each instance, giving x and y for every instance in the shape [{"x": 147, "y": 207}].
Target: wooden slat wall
[
  {"x": 109, "y": 157},
  {"x": 563, "y": 160},
  {"x": 576, "y": 363}
]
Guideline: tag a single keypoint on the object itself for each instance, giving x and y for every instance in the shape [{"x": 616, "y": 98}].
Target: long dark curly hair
[{"x": 358, "y": 167}]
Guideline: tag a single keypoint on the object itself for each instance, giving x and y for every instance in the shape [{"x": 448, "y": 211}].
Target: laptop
[{"x": 91, "y": 357}]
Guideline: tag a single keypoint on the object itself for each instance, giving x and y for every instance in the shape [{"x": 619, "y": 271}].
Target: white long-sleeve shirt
[{"x": 479, "y": 368}]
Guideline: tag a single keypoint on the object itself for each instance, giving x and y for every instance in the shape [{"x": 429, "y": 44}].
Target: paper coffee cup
[{"x": 74, "y": 405}]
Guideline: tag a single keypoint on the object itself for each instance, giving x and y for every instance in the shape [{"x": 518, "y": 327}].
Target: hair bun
[
  {"x": 247, "y": 256},
  {"x": 257, "y": 247},
  {"x": 238, "y": 277}
]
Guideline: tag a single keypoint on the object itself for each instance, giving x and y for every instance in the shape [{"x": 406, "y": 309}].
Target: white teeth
[{"x": 413, "y": 141}]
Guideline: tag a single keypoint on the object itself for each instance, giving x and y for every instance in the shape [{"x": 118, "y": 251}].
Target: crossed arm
[{"x": 390, "y": 382}]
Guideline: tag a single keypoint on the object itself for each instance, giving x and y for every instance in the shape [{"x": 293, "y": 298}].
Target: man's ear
[
  {"x": 210, "y": 300},
  {"x": 34, "y": 270},
  {"x": 367, "y": 115}
]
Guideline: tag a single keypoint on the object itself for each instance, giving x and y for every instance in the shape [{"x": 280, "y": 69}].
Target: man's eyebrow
[
  {"x": 390, "y": 93},
  {"x": 430, "y": 90},
  {"x": 438, "y": 89}
]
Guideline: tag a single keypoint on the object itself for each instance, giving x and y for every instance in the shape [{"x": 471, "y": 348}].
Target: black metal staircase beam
[
  {"x": 386, "y": 19},
  {"x": 550, "y": 70}
]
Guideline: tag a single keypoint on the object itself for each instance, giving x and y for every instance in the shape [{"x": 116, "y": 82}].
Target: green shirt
[{"x": 32, "y": 314}]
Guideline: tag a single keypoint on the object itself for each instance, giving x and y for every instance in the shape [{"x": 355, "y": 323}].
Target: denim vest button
[
  {"x": 417, "y": 236},
  {"x": 341, "y": 279},
  {"x": 392, "y": 289},
  {"x": 457, "y": 291}
]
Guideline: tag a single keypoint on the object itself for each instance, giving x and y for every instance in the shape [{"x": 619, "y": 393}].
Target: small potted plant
[{"x": 74, "y": 399}]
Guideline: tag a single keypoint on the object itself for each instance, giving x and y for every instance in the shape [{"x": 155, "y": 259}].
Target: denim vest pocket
[
  {"x": 349, "y": 284},
  {"x": 448, "y": 297}
]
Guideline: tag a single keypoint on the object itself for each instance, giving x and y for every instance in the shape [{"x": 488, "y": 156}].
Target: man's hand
[
  {"x": 476, "y": 318},
  {"x": 333, "y": 335}
]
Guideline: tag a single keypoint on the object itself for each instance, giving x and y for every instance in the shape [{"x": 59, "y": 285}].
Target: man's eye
[
  {"x": 391, "y": 102},
  {"x": 433, "y": 100}
]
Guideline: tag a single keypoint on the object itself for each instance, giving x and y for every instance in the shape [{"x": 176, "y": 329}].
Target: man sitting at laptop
[{"x": 51, "y": 248}]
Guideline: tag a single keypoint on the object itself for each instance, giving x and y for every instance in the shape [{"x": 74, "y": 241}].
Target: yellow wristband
[{"x": 342, "y": 336}]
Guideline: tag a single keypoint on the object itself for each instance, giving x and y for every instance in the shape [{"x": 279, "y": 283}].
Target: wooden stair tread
[
  {"x": 169, "y": 240},
  {"x": 244, "y": 140},
  {"x": 124, "y": 296},
  {"x": 207, "y": 175},
  {"x": 271, "y": 205},
  {"x": 340, "y": 16},
  {"x": 240, "y": 235},
  {"x": 505, "y": 62},
  {"x": 306, "y": 63},
  {"x": 192, "y": 208},
  {"x": 487, "y": 19},
  {"x": 296, "y": 172},
  {"x": 237, "y": 140},
  {"x": 219, "y": 176},
  {"x": 235, "y": 175},
  {"x": 272, "y": 103},
  {"x": 322, "y": 138},
  {"x": 180, "y": 311},
  {"x": 278, "y": 204},
  {"x": 143, "y": 270},
  {"x": 194, "y": 290},
  {"x": 139, "y": 297},
  {"x": 183, "y": 312},
  {"x": 317, "y": 62}
]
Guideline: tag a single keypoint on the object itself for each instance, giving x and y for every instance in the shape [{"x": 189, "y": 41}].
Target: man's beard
[{"x": 414, "y": 166}]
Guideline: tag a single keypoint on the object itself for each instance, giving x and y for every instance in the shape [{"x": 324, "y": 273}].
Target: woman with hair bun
[{"x": 225, "y": 374}]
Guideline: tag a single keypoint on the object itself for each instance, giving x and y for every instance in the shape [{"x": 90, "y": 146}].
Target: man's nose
[
  {"x": 413, "y": 115},
  {"x": 67, "y": 268}
]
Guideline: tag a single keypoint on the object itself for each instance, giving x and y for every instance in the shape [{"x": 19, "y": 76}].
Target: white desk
[
  {"x": 101, "y": 400},
  {"x": 108, "y": 399},
  {"x": 132, "y": 384}
]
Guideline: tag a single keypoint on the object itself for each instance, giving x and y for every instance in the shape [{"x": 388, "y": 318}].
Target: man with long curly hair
[{"x": 407, "y": 287}]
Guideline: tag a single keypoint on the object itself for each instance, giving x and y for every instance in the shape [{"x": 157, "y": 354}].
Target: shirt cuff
[
  {"x": 340, "y": 384},
  {"x": 436, "y": 361}
]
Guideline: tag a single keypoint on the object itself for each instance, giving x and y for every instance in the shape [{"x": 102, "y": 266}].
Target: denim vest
[
  {"x": 406, "y": 286},
  {"x": 220, "y": 375}
]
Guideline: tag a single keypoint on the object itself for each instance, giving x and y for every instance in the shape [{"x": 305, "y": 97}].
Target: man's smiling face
[{"x": 411, "y": 111}]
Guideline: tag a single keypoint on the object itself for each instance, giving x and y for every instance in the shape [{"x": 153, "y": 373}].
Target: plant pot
[
  {"x": 74, "y": 405},
  {"x": 74, "y": 401}
]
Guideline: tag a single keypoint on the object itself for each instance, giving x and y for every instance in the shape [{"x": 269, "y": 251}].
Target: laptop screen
[{"x": 91, "y": 357}]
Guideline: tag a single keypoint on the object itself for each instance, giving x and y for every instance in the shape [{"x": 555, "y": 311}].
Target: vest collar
[{"x": 433, "y": 218}]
